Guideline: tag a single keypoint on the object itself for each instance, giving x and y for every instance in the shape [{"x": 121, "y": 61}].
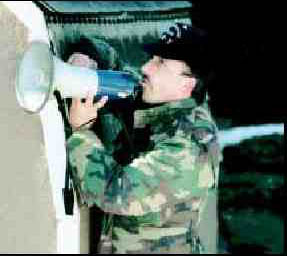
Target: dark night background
[
  {"x": 247, "y": 91},
  {"x": 245, "y": 38}
]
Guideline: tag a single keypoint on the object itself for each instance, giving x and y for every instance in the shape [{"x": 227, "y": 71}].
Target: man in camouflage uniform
[{"x": 155, "y": 190}]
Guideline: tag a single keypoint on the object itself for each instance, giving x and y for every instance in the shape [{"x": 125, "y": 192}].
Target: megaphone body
[{"x": 40, "y": 74}]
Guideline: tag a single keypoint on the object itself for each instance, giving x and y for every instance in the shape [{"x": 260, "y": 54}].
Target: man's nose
[{"x": 148, "y": 67}]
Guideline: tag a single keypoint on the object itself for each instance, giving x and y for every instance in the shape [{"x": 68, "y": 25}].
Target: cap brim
[
  {"x": 163, "y": 50},
  {"x": 178, "y": 51}
]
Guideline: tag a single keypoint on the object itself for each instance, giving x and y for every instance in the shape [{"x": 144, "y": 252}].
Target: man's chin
[
  {"x": 147, "y": 99},
  {"x": 150, "y": 100}
]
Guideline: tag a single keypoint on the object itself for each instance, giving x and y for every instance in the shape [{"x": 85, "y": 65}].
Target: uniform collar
[{"x": 146, "y": 116}]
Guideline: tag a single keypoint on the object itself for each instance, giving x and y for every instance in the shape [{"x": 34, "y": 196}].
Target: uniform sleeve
[{"x": 174, "y": 169}]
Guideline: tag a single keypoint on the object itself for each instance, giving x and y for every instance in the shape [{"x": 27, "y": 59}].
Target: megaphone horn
[{"x": 40, "y": 74}]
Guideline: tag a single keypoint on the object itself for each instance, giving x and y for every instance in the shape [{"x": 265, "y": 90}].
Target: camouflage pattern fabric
[{"x": 153, "y": 201}]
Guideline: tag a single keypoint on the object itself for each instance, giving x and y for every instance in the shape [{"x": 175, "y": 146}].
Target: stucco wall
[{"x": 27, "y": 215}]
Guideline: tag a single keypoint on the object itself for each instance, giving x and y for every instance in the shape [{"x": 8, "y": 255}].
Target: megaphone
[{"x": 40, "y": 73}]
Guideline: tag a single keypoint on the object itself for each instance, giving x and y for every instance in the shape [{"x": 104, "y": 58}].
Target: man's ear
[{"x": 189, "y": 85}]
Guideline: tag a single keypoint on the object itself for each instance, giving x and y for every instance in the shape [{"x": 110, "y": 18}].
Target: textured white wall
[
  {"x": 27, "y": 215},
  {"x": 66, "y": 232}
]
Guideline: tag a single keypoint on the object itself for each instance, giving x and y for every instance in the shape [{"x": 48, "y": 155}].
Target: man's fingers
[
  {"x": 76, "y": 102},
  {"x": 79, "y": 59},
  {"x": 89, "y": 99},
  {"x": 101, "y": 102},
  {"x": 71, "y": 59}
]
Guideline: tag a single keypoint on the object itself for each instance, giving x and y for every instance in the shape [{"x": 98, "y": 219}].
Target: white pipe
[
  {"x": 68, "y": 227},
  {"x": 237, "y": 134}
]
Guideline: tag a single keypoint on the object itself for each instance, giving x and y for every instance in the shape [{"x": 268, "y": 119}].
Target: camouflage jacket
[{"x": 156, "y": 197}]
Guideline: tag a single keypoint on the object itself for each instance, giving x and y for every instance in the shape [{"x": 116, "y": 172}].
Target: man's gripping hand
[
  {"x": 82, "y": 60},
  {"x": 83, "y": 114}
]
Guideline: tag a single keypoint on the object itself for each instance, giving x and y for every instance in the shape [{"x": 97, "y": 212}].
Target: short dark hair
[{"x": 204, "y": 78}]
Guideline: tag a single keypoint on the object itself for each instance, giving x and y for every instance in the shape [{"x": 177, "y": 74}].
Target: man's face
[{"x": 164, "y": 80}]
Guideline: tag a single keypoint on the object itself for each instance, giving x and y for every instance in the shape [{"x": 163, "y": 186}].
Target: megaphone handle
[
  {"x": 68, "y": 193},
  {"x": 61, "y": 108}
]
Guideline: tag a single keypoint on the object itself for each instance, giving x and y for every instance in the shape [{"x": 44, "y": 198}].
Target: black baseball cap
[{"x": 183, "y": 42}]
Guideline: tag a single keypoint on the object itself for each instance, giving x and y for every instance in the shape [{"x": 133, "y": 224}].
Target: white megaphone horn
[{"x": 40, "y": 74}]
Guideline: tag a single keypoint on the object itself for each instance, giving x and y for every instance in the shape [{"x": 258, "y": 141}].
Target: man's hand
[
  {"x": 82, "y": 60},
  {"x": 85, "y": 113}
]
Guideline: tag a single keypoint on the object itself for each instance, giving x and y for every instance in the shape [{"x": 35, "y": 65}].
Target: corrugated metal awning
[
  {"x": 113, "y": 11},
  {"x": 100, "y": 7},
  {"x": 125, "y": 25}
]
